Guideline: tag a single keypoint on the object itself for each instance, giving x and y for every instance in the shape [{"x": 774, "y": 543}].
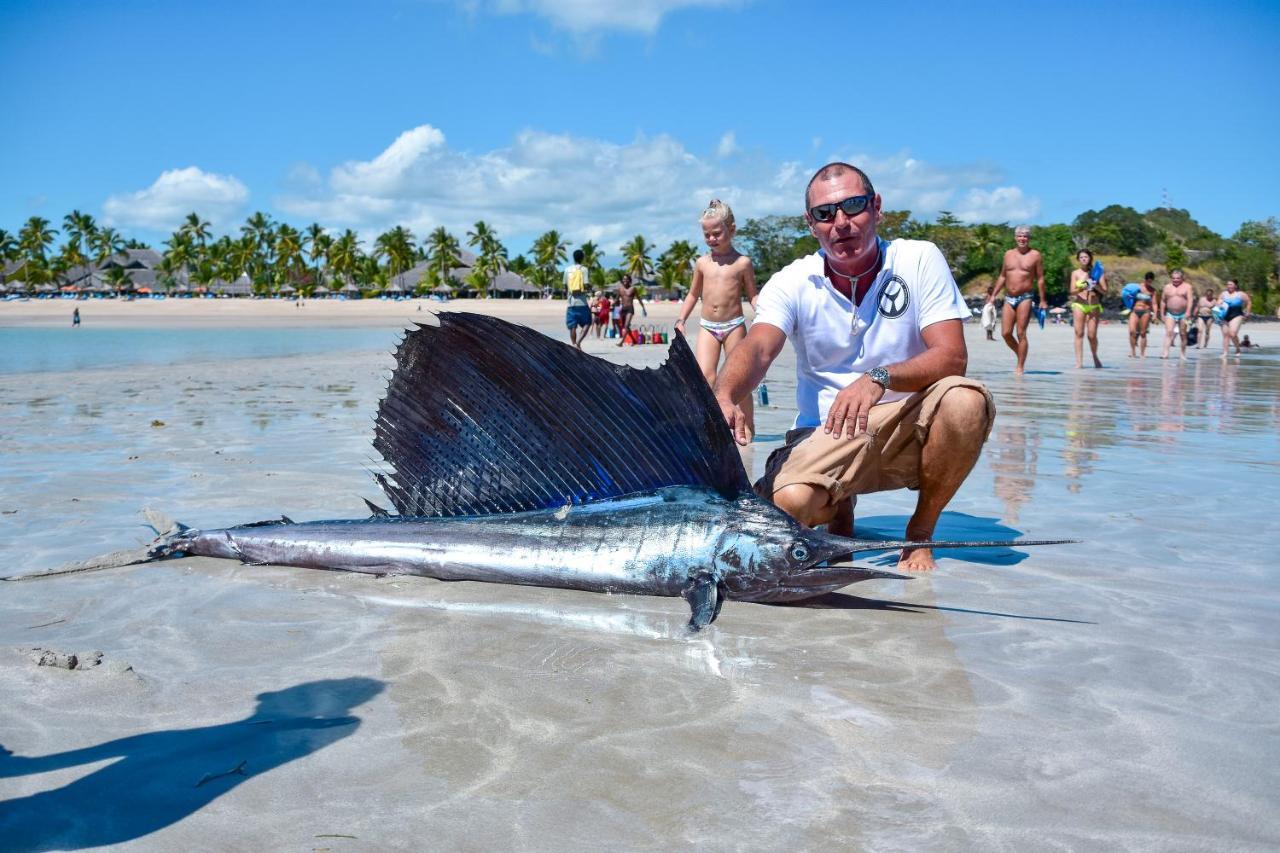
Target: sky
[{"x": 608, "y": 118}]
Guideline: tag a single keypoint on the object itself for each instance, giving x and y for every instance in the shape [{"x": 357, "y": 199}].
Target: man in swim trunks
[
  {"x": 877, "y": 329},
  {"x": 1176, "y": 303},
  {"x": 627, "y": 298},
  {"x": 1022, "y": 266}
]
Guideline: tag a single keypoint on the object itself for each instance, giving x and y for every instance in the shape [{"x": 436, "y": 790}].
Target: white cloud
[
  {"x": 594, "y": 189},
  {"x": 1002, "y": 204},
  {"x": 177, "y": 192},
  {"x": 728, "y": 145},
  {"x": 590, "y": 16}
]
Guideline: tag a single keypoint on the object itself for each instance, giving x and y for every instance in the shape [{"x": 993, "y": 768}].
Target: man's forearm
[
  {"x": 918, "y": 373},
  {"x": 743, "y": 370}
]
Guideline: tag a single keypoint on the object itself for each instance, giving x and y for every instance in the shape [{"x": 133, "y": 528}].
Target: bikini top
[{"x": 1142, "y": 297}]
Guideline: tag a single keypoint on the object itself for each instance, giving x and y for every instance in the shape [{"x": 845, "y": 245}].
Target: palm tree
[
  {"x": 592, "y": 259},
  {"x": 168, "y": 269},
  {"x": 442, "y": 250},
  {"x": 119, "y": 279},
  {"x": 636, "y": 260},
  {"x": 548, "y": 253},
  {"x": 288, "y": 253},
  {"x": 344, "y": 255},
  {"x": 197, "y": 229},
  {"x": 681, "y": 255},
  {"x": 106, "y": 244},
  {"x": 317, "y": 243},
  {"x": 79, "y": 225},
  {"x": 398, "y": 248},
  {"x": 8, "y": 246},
  {"x": 36, "y": 237},
  {"x": 492, "y": 257}
]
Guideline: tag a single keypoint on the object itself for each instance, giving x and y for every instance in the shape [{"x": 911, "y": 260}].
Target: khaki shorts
[{"x": 886, "y": 456}]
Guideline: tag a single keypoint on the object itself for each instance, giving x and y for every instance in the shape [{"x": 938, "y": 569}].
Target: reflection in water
[
  {"x": 1079, "y": 438},
  {"x": 1013, "y": 454}
]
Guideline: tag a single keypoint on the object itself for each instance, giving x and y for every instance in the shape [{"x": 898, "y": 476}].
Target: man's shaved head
[{"x": 835, "y": 170}]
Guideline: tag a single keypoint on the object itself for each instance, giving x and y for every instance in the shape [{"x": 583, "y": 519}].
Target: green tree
[
  {"x": 1178, "y": 223},
  {"x": 985, "y": 253},
  {"x": 549, "y": 251},
  {"x": 592, "y": 259},
  {"x": 771, "y": 242},
  {"x": 317, "y": 244},
  {"x": 1175, "y": 257},
  {"x": 197, "y": 229},
  {"x": 119, "y": 279},
  {"x": 1116, "y": 230},
  {"x": 893, "y": 223},
  {"x": 35, "y": 238},
  {"x": 636, "y": 260},
  {"x": 344, "y": 256},
  {"x": 106, "y": 243},
  {"x": 443, "y": 253},
  {"x": 1058, "y": 250},
  {"x": 289, "y": 263},
  {"x": 679, "y": 257},
  {"x": 8, "y": 247},
  {"x": 398, "y": 248}
]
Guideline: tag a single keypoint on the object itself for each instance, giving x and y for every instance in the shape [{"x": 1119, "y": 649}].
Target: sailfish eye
[{"x": 799, "y": 553}]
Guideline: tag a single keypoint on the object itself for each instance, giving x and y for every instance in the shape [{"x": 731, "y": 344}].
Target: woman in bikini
[
  {"x": 1140, "y": 316},
  {"x": 1086, "y": 305},
  {"x": 1204, "y": 316}
]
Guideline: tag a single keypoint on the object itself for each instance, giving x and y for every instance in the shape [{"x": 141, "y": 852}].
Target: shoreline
[{"x": 251, "y": 313}]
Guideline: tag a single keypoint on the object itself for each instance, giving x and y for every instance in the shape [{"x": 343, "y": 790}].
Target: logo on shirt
[{"x": 894, "y": 297}]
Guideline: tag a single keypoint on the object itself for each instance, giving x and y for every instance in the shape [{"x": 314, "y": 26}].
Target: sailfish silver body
[{"x": 656, "y": 543}]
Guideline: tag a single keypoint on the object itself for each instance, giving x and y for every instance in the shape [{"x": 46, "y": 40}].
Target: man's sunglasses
[{"x": 852, "y": 206}]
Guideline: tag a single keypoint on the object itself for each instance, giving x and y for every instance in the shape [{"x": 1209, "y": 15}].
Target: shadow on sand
[
  {"x": 159, "y": 778},
  {"x": 845, "y": 601},
  {"x": 952, "y": 525}
]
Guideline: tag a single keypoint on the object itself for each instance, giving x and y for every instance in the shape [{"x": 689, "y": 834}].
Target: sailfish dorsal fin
[{"x": 483, "y": 416}]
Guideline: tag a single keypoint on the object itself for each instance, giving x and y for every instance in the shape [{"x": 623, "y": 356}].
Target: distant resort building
[{"x": 137, "y": 273}]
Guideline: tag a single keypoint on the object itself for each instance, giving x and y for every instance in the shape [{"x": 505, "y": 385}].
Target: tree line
[{"x": 275, "y": 254}]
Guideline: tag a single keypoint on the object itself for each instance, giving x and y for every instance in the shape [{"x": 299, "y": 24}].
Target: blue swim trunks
[{"x": 577, "y": 316}]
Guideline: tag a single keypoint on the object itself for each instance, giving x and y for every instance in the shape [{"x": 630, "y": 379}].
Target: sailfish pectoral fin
[{"x": 705, "y": 597}]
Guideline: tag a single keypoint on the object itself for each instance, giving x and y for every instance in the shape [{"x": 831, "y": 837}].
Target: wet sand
[{"x": 1117, "y": 694}]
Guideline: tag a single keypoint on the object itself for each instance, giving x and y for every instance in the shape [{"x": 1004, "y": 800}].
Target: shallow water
[
  {"x": 46, "y": 350},
  {"x": 1116, "y": 694}
]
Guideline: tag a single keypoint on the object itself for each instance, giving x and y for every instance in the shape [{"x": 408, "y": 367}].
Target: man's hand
[
  {"x": 736, "y": 419},
  {"x": 851, "y": 408}
]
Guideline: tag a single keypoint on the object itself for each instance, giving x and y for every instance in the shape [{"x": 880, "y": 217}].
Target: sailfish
[{"x": 512, "y": 458}]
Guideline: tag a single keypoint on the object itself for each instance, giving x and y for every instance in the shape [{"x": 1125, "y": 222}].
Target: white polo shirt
[{"x": 836, "y": 341}]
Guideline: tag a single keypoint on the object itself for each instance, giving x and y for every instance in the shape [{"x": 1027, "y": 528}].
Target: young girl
[{"x": 721, "y": 279}]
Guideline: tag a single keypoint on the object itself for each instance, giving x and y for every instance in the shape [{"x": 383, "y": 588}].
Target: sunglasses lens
[
  {"x": 824, "y": 212},
  {"x": 854, "y": 206}
]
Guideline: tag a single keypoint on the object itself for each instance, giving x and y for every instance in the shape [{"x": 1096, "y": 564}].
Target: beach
[{"x": 1114, "y": 694}]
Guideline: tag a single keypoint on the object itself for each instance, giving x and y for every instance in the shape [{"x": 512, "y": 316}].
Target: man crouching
[{"x": 880, "y": 360}]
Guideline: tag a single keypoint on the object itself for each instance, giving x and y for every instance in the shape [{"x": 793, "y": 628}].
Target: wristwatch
[{"x": 880, "y": 376}]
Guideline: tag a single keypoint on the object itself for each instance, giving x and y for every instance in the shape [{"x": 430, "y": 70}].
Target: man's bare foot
[
  {"x": 1019, "y": 370},
  {"x": 1096, "y": 362},
  {"x": 917, "y": 560}
]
